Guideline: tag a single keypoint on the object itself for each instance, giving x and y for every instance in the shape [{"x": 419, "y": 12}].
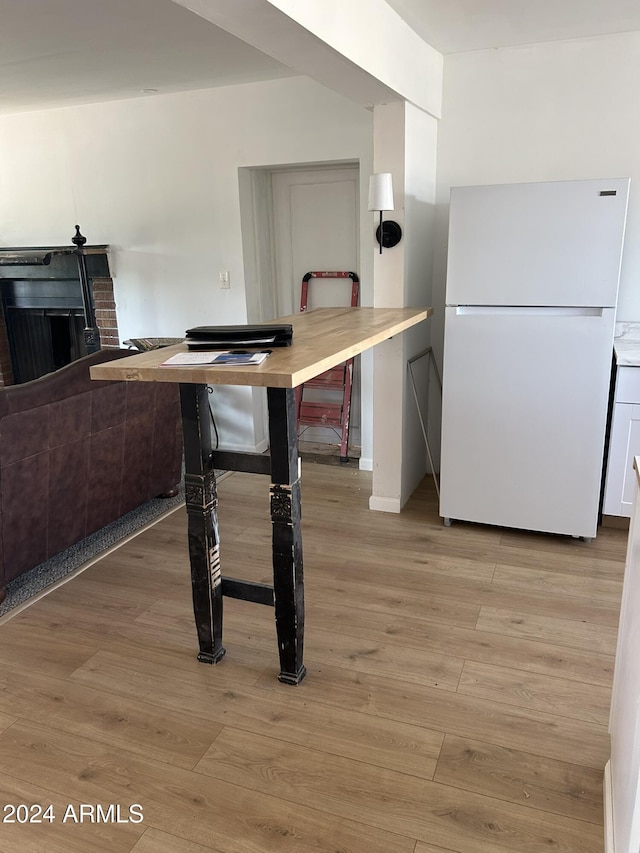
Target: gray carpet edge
[{"x": 56, "y": 568}]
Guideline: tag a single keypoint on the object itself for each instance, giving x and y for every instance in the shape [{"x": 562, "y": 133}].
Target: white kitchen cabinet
[
  {"x": 624, "y": 443},
  {"x": 622, "y": 773}
]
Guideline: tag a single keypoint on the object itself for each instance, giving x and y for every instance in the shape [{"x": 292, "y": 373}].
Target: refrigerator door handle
[{"x": 528, "y": 310}]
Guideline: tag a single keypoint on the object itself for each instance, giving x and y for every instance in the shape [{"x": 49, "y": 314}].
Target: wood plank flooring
[{"x": 456, "y": 700}]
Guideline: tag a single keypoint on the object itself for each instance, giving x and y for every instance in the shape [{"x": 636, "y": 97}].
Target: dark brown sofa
[{"x": 76, "y": 454}]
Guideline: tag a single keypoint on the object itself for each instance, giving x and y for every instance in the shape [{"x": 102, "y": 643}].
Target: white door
[
  {"x": 551, "y": 243},
  {"x": 315, "y": 228}
]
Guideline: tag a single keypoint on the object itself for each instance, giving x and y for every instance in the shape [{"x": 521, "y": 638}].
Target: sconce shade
[{"x": 381, "y": 191}]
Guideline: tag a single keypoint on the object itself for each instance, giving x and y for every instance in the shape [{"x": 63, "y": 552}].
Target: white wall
[
  {"x": 389, "y": 266},
  {"x": 421, "y": 132},
  {"x": 405, "y": 145},
  {"x": 157, "y": 180},
  {"x": 557, "y": 111}
]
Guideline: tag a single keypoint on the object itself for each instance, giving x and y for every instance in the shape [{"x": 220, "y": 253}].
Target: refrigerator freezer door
[
  {"x": 557, "y": 243},
  {"x": 524, "y": 416}
]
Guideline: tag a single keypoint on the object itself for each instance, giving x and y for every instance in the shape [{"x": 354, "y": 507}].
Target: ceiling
[
  {"x": 454, "y": 26},
  {"x": 63, "y": 52}
]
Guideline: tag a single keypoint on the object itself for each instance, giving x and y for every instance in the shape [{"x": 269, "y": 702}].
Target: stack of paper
[{"x": 230, "y": 357}]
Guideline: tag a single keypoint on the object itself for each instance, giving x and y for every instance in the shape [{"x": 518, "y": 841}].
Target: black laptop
[{"x": 232, "y": 337}]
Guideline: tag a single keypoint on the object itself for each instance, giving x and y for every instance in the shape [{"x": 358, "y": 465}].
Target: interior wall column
[
  {"x": 389, "y": 381},
  {"x": 404, "y": 144}
]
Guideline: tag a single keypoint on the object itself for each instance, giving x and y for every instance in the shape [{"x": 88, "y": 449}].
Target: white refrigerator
[{"x": 532, "y": 284}]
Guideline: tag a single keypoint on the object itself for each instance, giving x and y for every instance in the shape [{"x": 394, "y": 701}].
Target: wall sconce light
[{"x": 388, "y": 233}]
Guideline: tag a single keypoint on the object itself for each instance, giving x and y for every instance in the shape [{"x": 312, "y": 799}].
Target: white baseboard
[
  {"x": 609, "y": 846},
  {"x": 365, "y": 464},
  {"x": 384, "y": 504},
  {"x": 245, "y": 448}
]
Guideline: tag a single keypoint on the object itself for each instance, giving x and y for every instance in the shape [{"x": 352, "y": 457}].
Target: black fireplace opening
[
  {"x": 42, "y": 340},
  {"x": 46, "y": 295},
  {"x": 45, "y": 325}
]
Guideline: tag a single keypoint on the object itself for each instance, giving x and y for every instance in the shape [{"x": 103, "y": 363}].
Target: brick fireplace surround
[{"x": 106, "y": 319}]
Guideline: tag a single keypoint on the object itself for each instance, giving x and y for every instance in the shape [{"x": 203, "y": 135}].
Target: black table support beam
[
  {"x": 202, "y": 502},
  {"x": 208, "y": 585},
  {"x": 258, "y": 593},
  {"x": 288, "y": 581},
  {"x": 249, "y": 463}
]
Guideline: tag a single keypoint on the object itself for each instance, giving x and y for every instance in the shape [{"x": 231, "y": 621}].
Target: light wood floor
[{"x": 456, "y": 699}]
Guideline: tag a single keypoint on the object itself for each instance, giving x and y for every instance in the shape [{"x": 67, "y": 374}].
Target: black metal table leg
[
  {"x": 202, "y": 502},
  {"x": 288, "y": 581}
]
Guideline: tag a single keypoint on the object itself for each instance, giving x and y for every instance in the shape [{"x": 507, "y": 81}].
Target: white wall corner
[
  {"x": 405, "y": 145},
  {"x": 388, "y": 432},
  {"x": 374, "y": 36}
]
